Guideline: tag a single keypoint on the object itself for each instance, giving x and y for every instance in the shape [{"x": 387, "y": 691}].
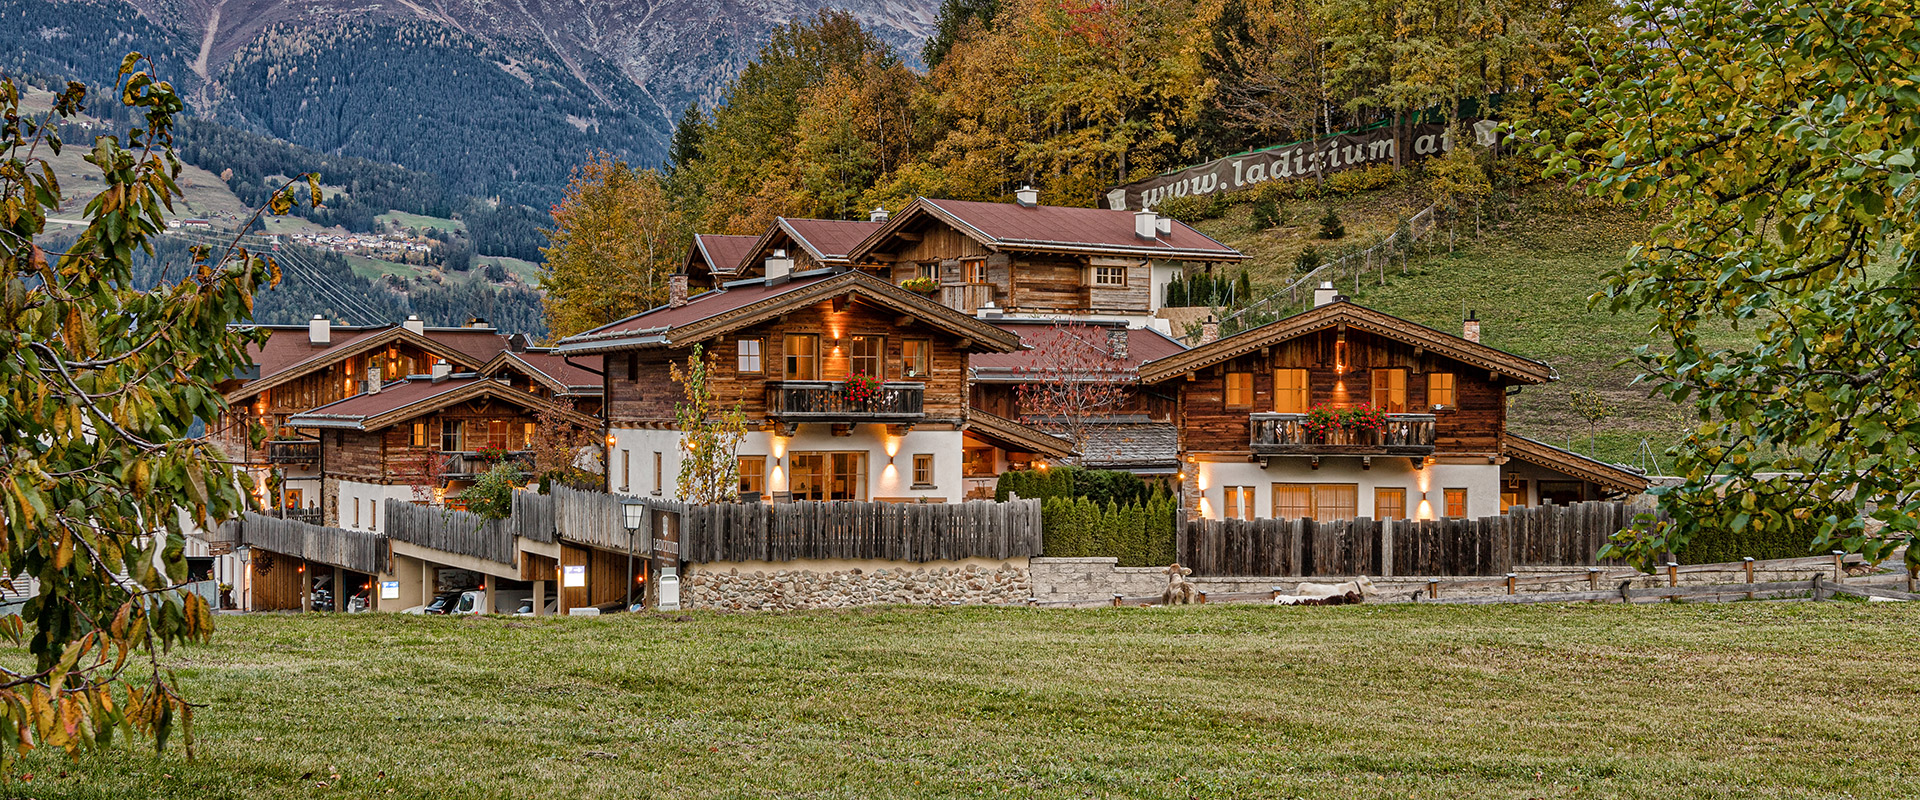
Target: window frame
[
  {"x": 751, "y": 481},
  {"x": 788, "y": 356},
  {"x": 1447, "y": 496},
  {"x": 659, "y": 473},
  {"x": 1104, "y": 276},
  {"x": 418, "y": 436},
  {"x": 453, "y": 431},
  {"x": 1375, "y": 389},
  {"x": 758, "y": 355},
  {"x": 1380, "y": 496},
  {"x": 1351, "y": 492},
  {"x": 973, "y": 270},
  {"x": 1237, "y": 502},
  {"x": 1227, "y": 390},
  {"x": 878, "y": 357},
  {"x": 498, "y": 435},
  {"x": 912, "y": 351},
  {"x": 923, "y": 477},
  {"x": 1303, "y": 393},
  {"x": 1452, "y": 390},
  {"x": 829, "y": 471}
]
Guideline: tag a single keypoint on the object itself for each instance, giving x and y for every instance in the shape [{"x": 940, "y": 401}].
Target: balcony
[
  {"x": 826, "y": 401},
  {"x": 967, "y": 297},
  {"x": 1287, "y": 435},
  {"x": 468, "y": 464},
  {"x": 293, "y": 451},
  {"x": 311, "y": 516}
]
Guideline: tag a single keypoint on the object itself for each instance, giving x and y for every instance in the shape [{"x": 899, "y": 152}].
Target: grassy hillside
[
  {"x": 1661, "y": 702},
  {"x": 1529, "y": 278}
]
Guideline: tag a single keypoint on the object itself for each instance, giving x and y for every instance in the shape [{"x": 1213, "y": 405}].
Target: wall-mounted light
[{"x": 1340, "y": 353}]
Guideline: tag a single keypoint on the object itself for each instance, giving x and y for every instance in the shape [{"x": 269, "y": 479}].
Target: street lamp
[{"x": 635, "y": 513}]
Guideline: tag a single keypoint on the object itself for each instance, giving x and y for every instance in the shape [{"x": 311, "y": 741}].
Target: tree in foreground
[
  {"x": 1777, "y": 140},
  {"x": 709, "y": 435},
  {"x": 100, "y": 480}
]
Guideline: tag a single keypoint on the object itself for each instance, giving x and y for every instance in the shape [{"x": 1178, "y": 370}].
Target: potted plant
[
  {"x": 920, "y": 283},
  {"x": 862, "y": 389},
  {"x": 226, "y": 595},
  {"x": 1324, "y": 424},
  {"x": 491, "y": 453}
]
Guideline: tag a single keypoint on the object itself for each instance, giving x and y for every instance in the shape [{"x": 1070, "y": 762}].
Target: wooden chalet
[
  {"x": 1026, "y": 259},
  {"x": 713, "y": 259},
  {"x": 1245, "y": 418},
  {"x": 856, "y": 388},
  {"x": 423, "y": 440},
  {"x": 804, "y": 245}
]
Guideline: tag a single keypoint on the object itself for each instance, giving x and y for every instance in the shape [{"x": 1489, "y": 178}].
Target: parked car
[
  {"x": 440, "y": 605},
  {"x": 525, "y": 609}
]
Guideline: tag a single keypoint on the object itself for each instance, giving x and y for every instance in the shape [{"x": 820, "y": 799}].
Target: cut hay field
[{"x": 1770, "y": 700}]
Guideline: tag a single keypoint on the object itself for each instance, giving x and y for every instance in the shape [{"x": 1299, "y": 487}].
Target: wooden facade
[
  {"x": 1341, "y": 376},
  {"x": 1019, "y": 283},
  {"x": 640, "y": 390}
]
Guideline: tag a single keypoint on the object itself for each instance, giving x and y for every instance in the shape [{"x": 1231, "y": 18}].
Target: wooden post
[
  {"x": 1386, "y": 547},
  {"x": 1673, "y": 577},
  {"x": 306, "y": 587},
  {"x": 487, "y": 593},
  {"x": 1839, "y": 566},
  {"x": 1116, "y": 599},
  {"x": 1202, "y": 596},
  {"x": 339, "y": 589},
  {"x": 1433, "y": 588},
  {"x": 1510, "y": 586},
  {"x": 1748, "y": 563},
  {"x": 1819, "y": 591},
  {"x": 539, "y": 598},
  {"x": 1593, "y": 579},
  {"x": 1913, "y": 576},
  {"x": 1275, "y": 595}
]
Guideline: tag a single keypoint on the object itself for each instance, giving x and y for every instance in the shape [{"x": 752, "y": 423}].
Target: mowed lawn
[{"x": 1743, "y": 700}]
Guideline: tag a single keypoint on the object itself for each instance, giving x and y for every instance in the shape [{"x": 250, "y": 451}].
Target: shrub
[
  {"x": 920, "y": 283},
  {"x": 1308, "y": 260},
  {"x": 1721, "y": 546},
  {"x": 1353, "y": 181},
  {"x": 1176, "y": 293},
  {"x": 1266, "y": 213},
  {"x": 1331, "y": 227},
  {"x": 491, "y": 496},
  {"x": 1243, "y": 288}
]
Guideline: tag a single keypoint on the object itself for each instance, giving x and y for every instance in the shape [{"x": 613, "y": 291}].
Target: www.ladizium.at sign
[{"x": 1299, "y": 160}]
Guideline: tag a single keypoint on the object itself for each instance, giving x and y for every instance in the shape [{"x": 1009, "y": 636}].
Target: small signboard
[
  {"x": 573, "y": 576},
  {"x": 389, "y": 590}
]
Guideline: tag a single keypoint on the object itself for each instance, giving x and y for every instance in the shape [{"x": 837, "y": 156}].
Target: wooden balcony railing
[
  {"x": 471, "y": 464},
  {"x": 311, "y": 516},
  {"x": 966, "y": 297},
  {"x": 1287, "y": 435},
  {"x": 827, "y": 401},
  {"x": 293, "y": 451}
]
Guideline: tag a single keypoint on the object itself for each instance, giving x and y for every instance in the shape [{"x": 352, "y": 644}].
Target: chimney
[
  {"x": 1117, "y": 343},
  {"x": 878, "y": 214},
  {"x": 1164, "y": 225},
  {"x": 480, "y": 322},
  {"x": 441, "y": 369},
  {"x": 1471, "y": 330},
  {"x": 1027, "y": 196},
  {"x": 779, "y": 266},
  {"x": 1324, "y": 294},
  {"x": 414, "y": 324},
  {"x": 319, "y": 331},
  {"x": 373, "y": 379},
  {"x": 518, "y": 343},
  {"x": 1209, "y": 330},
  {"x": 677, "y": 290},
  {"x": 1146, "y": 223}
]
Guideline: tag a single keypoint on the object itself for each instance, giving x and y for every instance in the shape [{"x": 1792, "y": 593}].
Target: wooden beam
[{"x": 907, "y": 236}]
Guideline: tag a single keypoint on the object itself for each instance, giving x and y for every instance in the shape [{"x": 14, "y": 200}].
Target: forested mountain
[{"x": 497, "y": 100}]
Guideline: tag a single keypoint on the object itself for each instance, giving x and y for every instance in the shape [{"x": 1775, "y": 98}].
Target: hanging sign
[
  {"x": 573, "y": 576},
  {"x": 389, "y": 590}
]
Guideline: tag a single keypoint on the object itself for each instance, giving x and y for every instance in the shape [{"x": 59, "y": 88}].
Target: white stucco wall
[
  {"x": 883, "y": 480},
  {"x": 372, "y": 498},
  {"x": 1482, "y": 482}
]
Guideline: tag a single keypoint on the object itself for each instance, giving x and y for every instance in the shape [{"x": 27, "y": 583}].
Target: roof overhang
[
  {"x": 476, "y": 390},
  {"x": 924, "y": 207},
  {"x": 1608, "y": 476},
  {"x": 1360, "y": 318},
  {"x": 1014, "y": 436},
  {"x": 397, "y": 335}
]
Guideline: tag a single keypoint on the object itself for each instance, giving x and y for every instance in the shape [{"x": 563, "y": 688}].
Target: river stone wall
[{"x": 790, "y": 585}]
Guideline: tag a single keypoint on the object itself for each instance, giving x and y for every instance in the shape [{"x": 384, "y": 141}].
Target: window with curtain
[
  {"x": 450, "y": 430},
  {"x": 923, "y": 469},
  {"x": 802, "y": 351},
  {"x": 497, "y": 434},
  {"x": 749, "y": 360},
  {"x": 1323, "y": 502},
  {"x": 867, "y": 356},
  {"x": 1390, "y": 390},
  {"x": 1456, "y": 502},
  {"x": 1440, "y": 389},
  {"x": 1390, "y": 503},
  {"x": 1238, "y": 502},
  {"x": 753, "y": 474},
  {"x": 916, "y": 358},
  {"x": 1239, "y": 390},
  {"x": 1290, "y": 391}
]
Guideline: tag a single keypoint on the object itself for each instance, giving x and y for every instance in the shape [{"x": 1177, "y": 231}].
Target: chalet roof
[
  {"x": 1611, "y": 476},
  {"x": 1042, "y": 341},
  {"x": 1355, "y": 317},
  {"x": 720, "y": 253},
  {"x": 1131, "y": 442},
  {"x": 289, "y": 354},
  {"x": 828, "y": 241},
  {"x": 1010, "y": 435},
  {"x": 559, "y": 373},
  {"x": 746, "y": 303},
  {"x": 400, "y": 401},
  {"x": 1050, "y": 229}
]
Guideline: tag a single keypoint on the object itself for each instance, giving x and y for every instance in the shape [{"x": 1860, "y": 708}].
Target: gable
[{"x": 360, "y": 345}]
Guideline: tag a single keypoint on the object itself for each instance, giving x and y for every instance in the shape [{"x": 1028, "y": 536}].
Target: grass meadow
[{"x": 1762, "y": 700}]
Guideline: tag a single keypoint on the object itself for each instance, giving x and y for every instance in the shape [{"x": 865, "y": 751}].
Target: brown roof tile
[
  {"x": 1059, "y": 229},
  {"x": 1143, "y": 345},
  {"x": 723, "y": 253}
]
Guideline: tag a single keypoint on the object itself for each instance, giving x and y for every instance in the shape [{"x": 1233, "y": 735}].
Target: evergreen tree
[
  {"x": 1177, "y": 293},
  {"x": 1243, "y": 288},
  {"x": 687, "y": 135},
  {"x": 958, "y": 19},
  {"x": 1330, "y": 225}
]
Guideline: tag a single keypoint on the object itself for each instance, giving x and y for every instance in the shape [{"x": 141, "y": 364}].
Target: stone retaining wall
[{"x": 845, "y": 584}]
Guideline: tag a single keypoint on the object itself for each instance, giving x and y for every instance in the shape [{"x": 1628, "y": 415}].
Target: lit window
[
  {"x": 1390, "y": 504},
  {"x": 419, "y": 438},
  {"x": 1323, "y": 502},
  {"x": 976, "y": 270},
  {"x": 867, "y": 355},
  {"x": 1290, "y": 391},
  {"x": 750, "y": 355},
  {"x": 915, "y": 358},
  {"x": 1390, "y": 390},
  {"x": 1239, "y": 503},
  {"x": 526, "y": 436},
  {"x": 1440, "y": 389},
  {"x": 753, "y": 475},
  {"x": 1110, "y": 276},
  {"x": 658, "y": 474},
  {"x": 923, "y": 470},
  {"x": 1456, "y": 502},
  {"x": 626, "y": 470},
  {"x": 828, "y": 476},
  {"x": 496, "y": 434},
  {"x": 1239, "y": 390},
  {"x": 803, "y": 357}
]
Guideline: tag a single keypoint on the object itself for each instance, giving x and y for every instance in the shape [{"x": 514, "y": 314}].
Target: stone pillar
[
  {"x": 1190, "y": 490},
  {"x": 490, "y": 608},
  {"x": 429, "y": 582}
]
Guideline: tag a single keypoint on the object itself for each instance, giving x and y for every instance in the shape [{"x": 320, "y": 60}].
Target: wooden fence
[
  {"x": 1567, "y": 535},
  {"x": 452, "y": 531},
  {"x": 917, "y": 532},
  {"x": 360, "y": 551}
]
